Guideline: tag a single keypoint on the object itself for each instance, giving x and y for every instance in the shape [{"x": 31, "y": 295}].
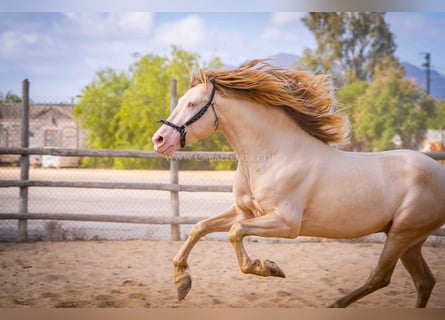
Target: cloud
[
  {"x": 98, "y": 40},
  {"x": 280, "y": 27},
  {"x": 17, "y": 42},
  {"x": 108, "y": 25},
  {"x": 188, "y": 32},
  {"x": 140, "y": 22},
  {"x": 13, "y": 41},
  {"x": 283, "y": 18}
]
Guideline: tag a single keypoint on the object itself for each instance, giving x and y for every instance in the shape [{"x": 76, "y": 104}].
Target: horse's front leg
[
  {"x": 269, "y": 225},
  {"x": 219, "y": 223}
]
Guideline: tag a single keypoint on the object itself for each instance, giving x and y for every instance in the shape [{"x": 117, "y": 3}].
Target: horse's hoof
[
  {"x": 271, "y": 269},
  {"x": 337, "y": 304},
  {"x": 183, "y": 284}
]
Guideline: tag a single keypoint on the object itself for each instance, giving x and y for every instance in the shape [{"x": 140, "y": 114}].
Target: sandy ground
[{"x": 139, "y": 274}]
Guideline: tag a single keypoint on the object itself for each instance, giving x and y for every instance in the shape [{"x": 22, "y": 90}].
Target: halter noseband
[{"x": 196, "y": 117}]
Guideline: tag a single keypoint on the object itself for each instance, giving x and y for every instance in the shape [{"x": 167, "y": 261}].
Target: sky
[{"x": 60, "y": 52}]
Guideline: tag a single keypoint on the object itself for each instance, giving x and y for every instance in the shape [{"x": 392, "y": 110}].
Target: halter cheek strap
[{"x": 196, "y": 117}]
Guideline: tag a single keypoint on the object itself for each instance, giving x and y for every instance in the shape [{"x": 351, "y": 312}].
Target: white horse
[{"x": 291, "y": 182}]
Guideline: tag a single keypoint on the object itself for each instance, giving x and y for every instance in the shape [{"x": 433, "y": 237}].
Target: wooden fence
[{"x": 173, "y": 187}]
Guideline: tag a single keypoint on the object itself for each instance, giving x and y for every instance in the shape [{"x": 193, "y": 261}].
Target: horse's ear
[
  {"x": 194, "y": 79},
  {"x": 202, "y": 76}
]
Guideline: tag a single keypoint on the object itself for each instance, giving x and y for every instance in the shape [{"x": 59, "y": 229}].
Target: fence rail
[
  {"x": 102, "y": 218},
  {"x": 65, "y": 152},
  {"x": 119, "y": 185},
  {"x": 181, "y": 155}
]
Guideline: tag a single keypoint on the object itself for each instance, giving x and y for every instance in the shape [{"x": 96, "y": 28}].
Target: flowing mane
[{"x": 305, "y": 97}]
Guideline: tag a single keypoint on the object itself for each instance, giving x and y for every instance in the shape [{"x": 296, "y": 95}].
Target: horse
[{"x": 293, "y": 180}]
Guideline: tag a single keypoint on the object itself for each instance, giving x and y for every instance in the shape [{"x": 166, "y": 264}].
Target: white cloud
[
  {"x": 281, "y": 26},
  {"x": 187, "y": 32},
  {"x": 17, "y": 42},
  {"x": 283, "y": 18},
  {"x": 88, "y": 24},
  {"x": 13, "y": 41},
  {"x": 109, "y": 24},
  {"x": 141, "y": 22}
]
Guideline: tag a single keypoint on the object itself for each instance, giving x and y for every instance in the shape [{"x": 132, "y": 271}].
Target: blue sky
[{"x": 61, "y": 52}]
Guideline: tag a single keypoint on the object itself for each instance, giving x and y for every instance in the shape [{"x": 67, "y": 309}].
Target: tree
[
  {"x": 99, "y": 103},
  {"x": 9, "y": 98},
  {"x": 348, "y": 98},
  {"x": 437, "y": 121},
  {"x": 391, "y": 107},
  {"x": 349, "y": 44}
]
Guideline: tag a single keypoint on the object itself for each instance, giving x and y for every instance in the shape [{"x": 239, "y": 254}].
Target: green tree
[
  {"x": 349, "y": 44},
  {"x": 9, "y": 98},
  {"x": 348, "y": 98},
  {"x": 143, "y": 104},
  {"x": 437, "y": 121},
  {"x": 390, "y": 107},
  {"x": 99, "y": 103}
]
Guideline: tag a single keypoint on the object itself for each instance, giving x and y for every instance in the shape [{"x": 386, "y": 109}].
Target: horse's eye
[{"x": 191, "y": 104}]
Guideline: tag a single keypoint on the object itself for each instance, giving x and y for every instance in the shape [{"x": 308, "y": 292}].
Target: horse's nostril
[{"x": 159, "y": 140}]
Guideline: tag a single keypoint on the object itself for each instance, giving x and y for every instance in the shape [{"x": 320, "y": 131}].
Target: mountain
[
  {"x": 283, "y": 59},
  {"x": 437, "y": 80}
]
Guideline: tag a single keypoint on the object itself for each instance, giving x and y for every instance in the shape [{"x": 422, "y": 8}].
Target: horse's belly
[
  {"x": 340, "y": 218},
  {"x": 335, "y": 229}
]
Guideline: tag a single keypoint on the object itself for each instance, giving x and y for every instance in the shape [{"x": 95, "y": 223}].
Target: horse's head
[{"x": 189, "y": 122}]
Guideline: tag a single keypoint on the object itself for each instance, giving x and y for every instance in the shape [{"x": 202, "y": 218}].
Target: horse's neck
[{"x": 262, "y": 132}]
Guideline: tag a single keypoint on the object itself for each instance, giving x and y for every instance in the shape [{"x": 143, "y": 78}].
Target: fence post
[
  {"x": 24, "y": 164},
  {"x": 174, "y": 176}
]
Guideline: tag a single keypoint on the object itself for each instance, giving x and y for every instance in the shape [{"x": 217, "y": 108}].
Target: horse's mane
[{"x": 305, "y": 97}]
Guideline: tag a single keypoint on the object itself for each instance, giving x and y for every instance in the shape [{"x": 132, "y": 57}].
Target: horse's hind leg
[
  {"x": 420, "y": 272},
  {"x": 395, "y": 246}
]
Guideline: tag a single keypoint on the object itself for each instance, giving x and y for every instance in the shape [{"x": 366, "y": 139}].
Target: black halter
[{"x": 196, "y": 117}]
